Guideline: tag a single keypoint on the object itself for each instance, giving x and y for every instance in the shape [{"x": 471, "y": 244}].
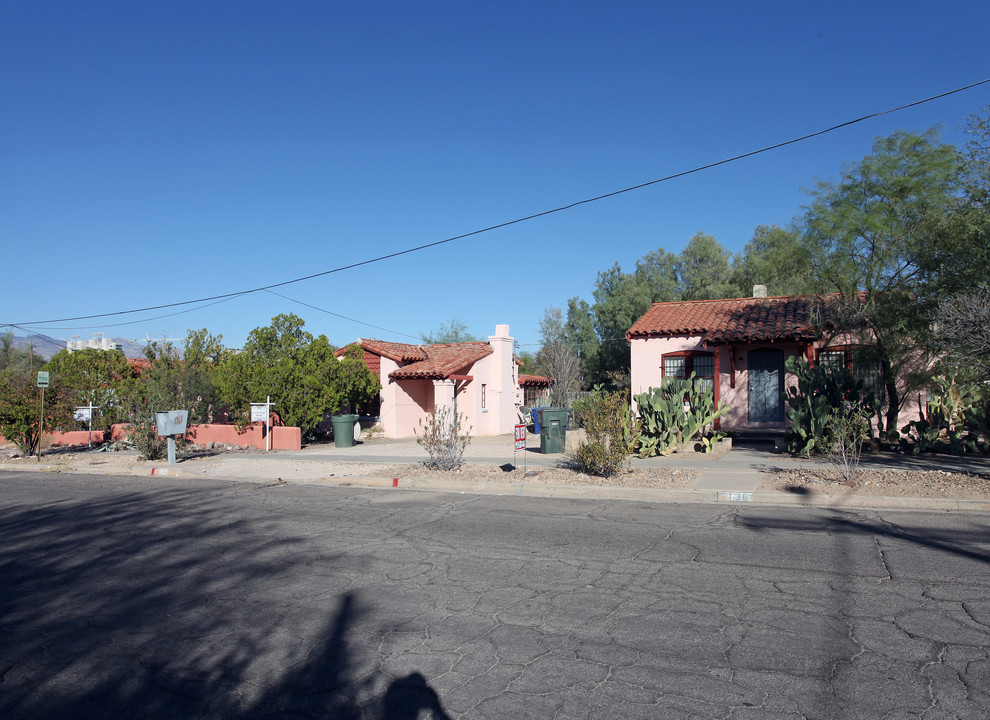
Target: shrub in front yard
[
  {"x": 440, "y": 434},
  {"x": 609, "y": 434}
]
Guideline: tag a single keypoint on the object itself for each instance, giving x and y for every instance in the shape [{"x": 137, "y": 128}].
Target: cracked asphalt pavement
[{"x": 171, "y": 598}]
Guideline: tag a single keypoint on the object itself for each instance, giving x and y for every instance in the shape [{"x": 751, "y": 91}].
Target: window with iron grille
[
  {"x": 681, "y": 365},
  {"x": 858, "y": 361}
]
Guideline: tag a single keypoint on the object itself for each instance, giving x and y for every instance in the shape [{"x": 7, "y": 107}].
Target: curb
[{"x": 577, "y": 492}]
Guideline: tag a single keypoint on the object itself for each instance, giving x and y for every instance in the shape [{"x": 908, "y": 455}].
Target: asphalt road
[{"x": 169, "y": 598}]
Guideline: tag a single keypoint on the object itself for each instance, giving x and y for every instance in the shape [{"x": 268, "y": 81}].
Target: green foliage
[
  {"x": 440, "y": 434},
  {"x": 15, "y": 359},
  {"x": 20, "y": 408},
  {"x": 873, "y": 238},
  {"x": 658, "y": 272},
  {"x": 528, "y": 360},
  {"x": 620, "y": 300},
  {"x": 582, "y": 406},
  {"x": 813, "y": 402},
  {"x": 704, "y": 268},
  {"x": 609, "y": 434},
  {"x": 579, "y": 330},
  {"x": 676, "y": 413},
  {"x": 301, "y": 374},
  {"x": 956, "y": 422},
  {"x": 776, "y": 258},
  {"x": 101, "y": 377},
  {"x": 453, "y": 332},
  {"x": 157, "y": 389},
  {"x": 353, "y": 381}
]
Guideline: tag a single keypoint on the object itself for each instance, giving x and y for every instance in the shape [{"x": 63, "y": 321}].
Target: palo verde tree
[{"x": 868, "y": 238}]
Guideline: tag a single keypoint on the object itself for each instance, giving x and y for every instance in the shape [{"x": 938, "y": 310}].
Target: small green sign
[{"x": 42, "y": 379}]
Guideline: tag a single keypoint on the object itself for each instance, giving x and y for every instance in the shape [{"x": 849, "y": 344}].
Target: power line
[
  {"x": 527, "y": 218},
  {"x": 343, "y": 317},
  {"x": 129, "y": 322}
]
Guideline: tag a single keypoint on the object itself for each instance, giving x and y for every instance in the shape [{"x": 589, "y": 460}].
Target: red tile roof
[
  {"x": 442, "y": 361},
  {"x": 437, "y": 362},
  {"x": 525, "y": 380},
  {"x": 399, "y": 352},
  {"x": 724, "y": 321}
]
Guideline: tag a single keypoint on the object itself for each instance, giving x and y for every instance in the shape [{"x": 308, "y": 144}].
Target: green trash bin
[
  {"x": 343, "y": 430},
  {"x": 553, "y": 430}
]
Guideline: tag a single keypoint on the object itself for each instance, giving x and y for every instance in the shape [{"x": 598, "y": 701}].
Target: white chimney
[{"x": 759, "y": 291}]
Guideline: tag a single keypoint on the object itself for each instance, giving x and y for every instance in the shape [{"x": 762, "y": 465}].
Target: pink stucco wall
[
  {"x": 646, "y": 373},
  {"x": 405, "y": 402}
]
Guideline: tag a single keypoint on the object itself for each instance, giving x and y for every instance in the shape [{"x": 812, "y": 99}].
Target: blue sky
[{"x": 156, "y": 152}]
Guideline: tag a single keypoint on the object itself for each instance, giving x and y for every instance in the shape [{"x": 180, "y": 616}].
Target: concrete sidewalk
[{"x": 732, "y": 476}]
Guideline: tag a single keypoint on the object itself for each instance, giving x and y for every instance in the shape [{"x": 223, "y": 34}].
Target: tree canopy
[
  {"x": 453, "y": 332},
  {"x": 301, "y": 374}
]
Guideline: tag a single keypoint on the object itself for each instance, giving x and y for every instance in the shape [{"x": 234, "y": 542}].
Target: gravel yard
[{"x": 885, "y": 483}]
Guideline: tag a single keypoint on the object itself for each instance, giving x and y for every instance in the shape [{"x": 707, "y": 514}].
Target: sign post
[
  {"x": 84, "y": 414},
  {"x": 42, "y": 383},
  {"x": 262, "y": 412},
  {"x": 171, "y": 423},
  {"x": 520, "y": 436}
]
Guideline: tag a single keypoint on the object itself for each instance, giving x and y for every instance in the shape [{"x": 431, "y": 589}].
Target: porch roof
[{"x": 534, "y": 380}]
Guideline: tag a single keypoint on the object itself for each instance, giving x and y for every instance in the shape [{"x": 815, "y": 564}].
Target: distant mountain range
[{"x": 47, "y": 346}]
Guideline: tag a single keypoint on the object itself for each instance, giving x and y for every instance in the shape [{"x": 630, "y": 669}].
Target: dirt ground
[{"x": 884, "y": 483}]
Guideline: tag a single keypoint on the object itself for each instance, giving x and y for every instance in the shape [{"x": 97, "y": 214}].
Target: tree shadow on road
[
  {"x": 165, "y": 604},
  {"x": 963, "y": 543}
]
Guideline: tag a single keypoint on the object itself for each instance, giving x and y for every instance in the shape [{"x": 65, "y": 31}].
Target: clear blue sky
[{"x": 155, "y": 152}]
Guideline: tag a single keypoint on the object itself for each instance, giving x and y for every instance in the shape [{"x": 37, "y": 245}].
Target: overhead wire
[
  {"x": 343, "y": 317},
  {"x": 516, "y": 221}
]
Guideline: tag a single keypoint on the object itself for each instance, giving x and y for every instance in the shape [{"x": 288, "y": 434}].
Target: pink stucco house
[
  {"x": 737, "y": 346},
  {"x": 479, "y": 379}
]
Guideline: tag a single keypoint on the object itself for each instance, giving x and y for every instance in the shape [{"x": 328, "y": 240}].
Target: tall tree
[
  {"x": 304, "y": 378},
  {"x": 957, "y": 259},
  {"x": 557, "y": 357},
  {"x": 963, "y": 330},
  {"x": 776, "y": 258},
  {"x": 620, "y": 300},
  {"x": 453, "y": 332},
  {"x": 580, "y": 332},
  {"x": 17, "y": 359},
  {"x": 657, "y": 271},
  {"x": 868, "y": 239},
  {"x": 705, "y": 270},
  {"x": 100, "y": 377}
]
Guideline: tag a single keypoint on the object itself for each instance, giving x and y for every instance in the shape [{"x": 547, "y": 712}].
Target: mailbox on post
[{"x": 170, "y": 424}]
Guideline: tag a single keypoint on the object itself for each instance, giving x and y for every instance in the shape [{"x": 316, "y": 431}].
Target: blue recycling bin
[{"x": 537, "y": 416}]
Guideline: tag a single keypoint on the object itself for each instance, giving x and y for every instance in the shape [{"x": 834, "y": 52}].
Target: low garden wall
[{"x": 283, "y": 438}]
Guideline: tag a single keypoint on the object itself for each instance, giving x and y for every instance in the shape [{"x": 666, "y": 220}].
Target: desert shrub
[
  {"x": 609, "y": 434},
  {"x": 440, "y": 434},
  {"x": 845, "y": 431},
  {"x": 583, "y": 406},
  {"x": 149, "y": 444}
]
